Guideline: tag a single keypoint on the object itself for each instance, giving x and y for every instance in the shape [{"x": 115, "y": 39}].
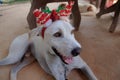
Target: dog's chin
[{"x": 65, "y": 59}]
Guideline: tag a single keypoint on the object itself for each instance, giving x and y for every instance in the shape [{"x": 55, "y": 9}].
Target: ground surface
[{"x": 100, "y": 49}]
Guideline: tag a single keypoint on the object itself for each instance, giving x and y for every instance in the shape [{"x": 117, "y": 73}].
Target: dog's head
[
  {"x": 59, "y": 36},
  {"x": 57, "y": 32}
]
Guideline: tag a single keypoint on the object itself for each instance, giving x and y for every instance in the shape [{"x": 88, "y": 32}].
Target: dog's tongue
[{"x": 68, "y": 60}]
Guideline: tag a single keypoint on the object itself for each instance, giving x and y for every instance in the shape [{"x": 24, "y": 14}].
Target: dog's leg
[
  {"x": 19, "y": 66},
  {"x": 88, "y": 72},
  {"x": 56, "y": 67},
  {"x": 17, "y": 50},
  {"x": 58, "y": 74},
  {"x": 80, "y": 64}
]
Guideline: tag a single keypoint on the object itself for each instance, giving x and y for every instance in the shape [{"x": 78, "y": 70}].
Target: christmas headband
[{"x": 46, "y": 16}]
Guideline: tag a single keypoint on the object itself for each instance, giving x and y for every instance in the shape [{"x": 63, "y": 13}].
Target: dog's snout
[{"x": 76, "y": 51}]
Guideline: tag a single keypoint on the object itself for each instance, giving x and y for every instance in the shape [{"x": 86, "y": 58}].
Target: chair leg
[
  {"x": 115, "y": 20},
  {"x": 102, "y": 7},
  {"x": 107, "y": 10},
  {"x": 76, "y": 16}
]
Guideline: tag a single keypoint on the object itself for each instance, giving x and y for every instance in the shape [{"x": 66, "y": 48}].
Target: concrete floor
[{"x": 100, "y": 49}]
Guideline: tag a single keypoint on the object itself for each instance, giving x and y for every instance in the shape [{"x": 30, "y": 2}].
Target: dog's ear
[
  {"x": 35, "y": 32},
  {"x": 39, "y": 31}
]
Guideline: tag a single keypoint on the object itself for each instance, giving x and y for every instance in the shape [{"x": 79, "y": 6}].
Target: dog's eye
[
  {"x": 58, "y": 34},
  {"x": 38, "y": 34}
]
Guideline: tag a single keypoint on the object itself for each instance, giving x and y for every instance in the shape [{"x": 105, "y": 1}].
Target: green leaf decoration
[
  {"x": 46, "y": 10},
  {"x": 61, "y": 7}
]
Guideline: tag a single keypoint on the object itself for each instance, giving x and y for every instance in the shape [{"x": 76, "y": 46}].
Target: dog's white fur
[{"x": 43, "y": 52}]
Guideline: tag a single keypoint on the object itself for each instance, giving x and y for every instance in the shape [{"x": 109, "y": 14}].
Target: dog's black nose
[{"x": 75, "y": 51}]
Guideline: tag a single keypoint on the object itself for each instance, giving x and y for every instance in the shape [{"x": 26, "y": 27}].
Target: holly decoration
[{"x": 44, "y": 15}]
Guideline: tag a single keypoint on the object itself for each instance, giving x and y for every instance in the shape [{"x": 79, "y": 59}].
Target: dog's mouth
[{"x": 65, "y": 59}]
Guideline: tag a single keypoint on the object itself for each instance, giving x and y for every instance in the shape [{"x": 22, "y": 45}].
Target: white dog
[{"x": 56, "y": 51}]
